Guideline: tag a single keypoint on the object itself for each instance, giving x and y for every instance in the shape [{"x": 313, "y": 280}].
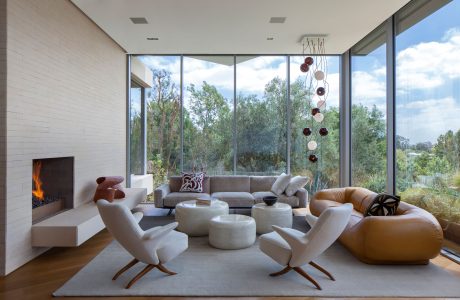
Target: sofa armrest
[
  {"x": 302, "y": 194},
  {"x": 159, "y": 194}
]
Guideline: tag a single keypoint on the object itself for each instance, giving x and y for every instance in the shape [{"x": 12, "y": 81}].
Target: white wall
[{"x": 66, "y": 96}]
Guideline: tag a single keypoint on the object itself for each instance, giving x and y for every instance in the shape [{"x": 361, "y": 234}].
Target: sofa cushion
[
  {"x": 383, "y": 205},
  {"x": 259, "y": 196},
  {"x": 175, "y": 182},
  {"x": 261, "y": 183},
  {"x": 295, "y": 184},
  {"x": 235, "y": 199},
  {"x": 281, "y": 183},
  {"x": 230, "y": 184},
  {"x": 192, "y": 182},
  {"x": 176, "y": 197}
]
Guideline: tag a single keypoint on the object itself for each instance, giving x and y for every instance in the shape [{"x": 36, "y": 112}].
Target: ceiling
[{"x": 237, "y": 26}]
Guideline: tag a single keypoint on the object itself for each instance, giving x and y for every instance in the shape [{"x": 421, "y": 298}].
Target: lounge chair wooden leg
[
  {"x": 283, "y": 271},
  {"x": 165, "y": 270},
  {"x": 131, "y": 263},
  {"x": 322, "y": 270},
  {"x": 147, "y": 269},
  {"x": 306, "y": 276}
]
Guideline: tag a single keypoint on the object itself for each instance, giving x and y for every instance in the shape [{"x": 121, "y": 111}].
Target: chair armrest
[
  {"x": 159, "y": 194},
  {"x": 311, "y": 219},
  {"x": 138, "y": 216},
  {"x": 302, "y": 194},
  {"x": 159, "y": 231},
  {"x": 293, "y": 241}
]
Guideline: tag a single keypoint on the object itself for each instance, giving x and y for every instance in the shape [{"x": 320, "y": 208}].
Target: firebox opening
[{"x": 52, "y": 186}]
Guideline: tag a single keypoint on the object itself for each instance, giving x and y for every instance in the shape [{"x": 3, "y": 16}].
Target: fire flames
[{"x": 37, "y": 188}]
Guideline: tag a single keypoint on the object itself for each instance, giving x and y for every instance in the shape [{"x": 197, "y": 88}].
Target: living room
[{"x": 193, "y": 118}]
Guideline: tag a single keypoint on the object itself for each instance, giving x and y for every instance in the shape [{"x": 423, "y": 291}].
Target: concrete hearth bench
[{"x": 75, "y": 226}]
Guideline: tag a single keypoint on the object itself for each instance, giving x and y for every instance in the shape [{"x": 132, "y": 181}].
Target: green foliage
[
  {"x": 442, "y": 203},
  {"x": 456, "y": 180}
]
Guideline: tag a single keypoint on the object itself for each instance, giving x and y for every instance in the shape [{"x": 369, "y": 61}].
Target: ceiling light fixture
[
  {"x": 139, "y": 20},
  {"x": 277, "y": 20}
]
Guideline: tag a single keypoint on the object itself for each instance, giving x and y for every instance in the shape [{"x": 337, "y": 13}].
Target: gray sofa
[{"x": 237, "y": 191}]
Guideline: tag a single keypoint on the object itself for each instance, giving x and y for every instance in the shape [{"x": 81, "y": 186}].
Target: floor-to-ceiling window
[
  {"x": 135, "y": 123},
  {"x": 324, "y": 172},
  {"x": 163, "y": 113},
  {"x": 368, "y": 111},
  {"x": 208, "y": 114},
  {"x": 261, "y": 115},
  {"x": 428, "y": 107}
]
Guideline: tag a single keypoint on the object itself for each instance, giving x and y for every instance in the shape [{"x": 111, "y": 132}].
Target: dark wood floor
[{"x": 42, "y": 276}]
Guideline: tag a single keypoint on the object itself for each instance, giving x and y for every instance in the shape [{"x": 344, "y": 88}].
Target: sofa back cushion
[
  {"x": 175, "y": 182},
  {"x": 230, "y": 184},
  {"x": 261, "y": 183},
  {"x": 361, "y": 198}
]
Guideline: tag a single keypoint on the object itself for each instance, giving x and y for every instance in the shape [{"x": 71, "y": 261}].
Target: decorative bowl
[{"x": 270, "y": 200}]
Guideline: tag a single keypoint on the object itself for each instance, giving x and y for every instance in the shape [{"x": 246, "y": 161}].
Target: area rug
[{"x": 205, "y": 271}]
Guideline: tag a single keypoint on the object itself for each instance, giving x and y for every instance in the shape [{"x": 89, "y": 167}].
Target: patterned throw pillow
[
  {"x": 192, "y": 182},
  {"x": 383, "y": 205}
]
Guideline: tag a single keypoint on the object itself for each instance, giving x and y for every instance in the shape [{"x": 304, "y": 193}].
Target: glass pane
[
  {"x": 261, "y": 115},
  {"x": 208, "y": 114},
  {"x": 136, "y": 129},
  {"x": 428, "y": 110},
  {"x": 325, "y": 172},
  {"x": 163, "y": 117},
  {"x": 368, "y": 127}
]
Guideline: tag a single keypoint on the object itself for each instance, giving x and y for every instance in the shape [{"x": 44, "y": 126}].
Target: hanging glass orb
[
  {"x": 321, "y": 104},
  {"x": 314, "y": 111},
  {"x": 319, "y": 75},
  {"x": 312, "y": 145},
  {"x": 323, "y": 131},
  {"x": 319, "y": 117},
  {"x": 313, "y": 158},
  {"x": 309, "y": 60},
  {"x": 306, "y": 131},
  {"x": 320, "y": 91},
  {"x": 304, "y": 68}
]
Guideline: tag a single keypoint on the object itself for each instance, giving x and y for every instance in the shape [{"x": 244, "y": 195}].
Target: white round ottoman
[
  {"x": 232, "y": 232},
  {"x": 279, "y": 214},
  {"x": 194, "y": 219}
]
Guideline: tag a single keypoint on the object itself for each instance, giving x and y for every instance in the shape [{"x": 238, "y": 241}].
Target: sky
[{"x": 427, "y": 76}]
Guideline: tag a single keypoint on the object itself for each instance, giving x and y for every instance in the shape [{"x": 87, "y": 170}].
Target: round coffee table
[
  {"x": 194, "y": 219},
  {"x": 279, "y": 214},
  {"x": 232, "y": 232}
]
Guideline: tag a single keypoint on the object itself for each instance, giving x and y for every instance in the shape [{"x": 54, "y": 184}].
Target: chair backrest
[
  {"x": 322, "y": 235},
  {"x": 121, "y": 223}
]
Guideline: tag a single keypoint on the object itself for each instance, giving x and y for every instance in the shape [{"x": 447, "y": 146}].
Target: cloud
[
  {"x": 369, "y": 88},
  {"x": 424, "y": 120},
  {"x": 428, "y": 65}
]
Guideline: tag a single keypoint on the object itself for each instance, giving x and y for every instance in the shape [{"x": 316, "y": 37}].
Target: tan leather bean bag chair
[{"x": 412, "y": 236}]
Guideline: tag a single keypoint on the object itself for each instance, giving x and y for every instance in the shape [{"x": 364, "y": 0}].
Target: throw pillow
[
  {"x": 383, "y": 205},
  {"x": 192, "y": 182},
  {"x": 295, "y": 184},
  {"x": 281, "y": 184}
]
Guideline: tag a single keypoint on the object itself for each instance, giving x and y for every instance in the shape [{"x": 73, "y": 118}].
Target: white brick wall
[
  {"x": 2, "y": 130},
  {"x": 66, "y": 96}
]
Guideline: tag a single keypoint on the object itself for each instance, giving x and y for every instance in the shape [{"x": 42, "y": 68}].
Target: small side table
[
  {"x": 194, "y": 219},
  {"x": 279, "y": 214}
]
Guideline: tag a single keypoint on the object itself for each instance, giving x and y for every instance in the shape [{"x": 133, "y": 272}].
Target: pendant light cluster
[{"x": 317, "y": 87}]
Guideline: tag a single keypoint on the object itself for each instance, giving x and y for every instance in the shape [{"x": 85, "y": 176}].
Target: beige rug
[{"x": 205, "y": 271}]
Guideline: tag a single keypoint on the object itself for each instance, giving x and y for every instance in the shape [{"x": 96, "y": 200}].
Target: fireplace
[{"x": 52, "y": 186}]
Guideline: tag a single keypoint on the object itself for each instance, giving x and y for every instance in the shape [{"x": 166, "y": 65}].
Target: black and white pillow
[
  {"x": 192, "y": 182},
  {"x": 383, "y": 205}
]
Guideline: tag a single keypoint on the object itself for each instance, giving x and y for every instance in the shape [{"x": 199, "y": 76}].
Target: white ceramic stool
[
  {"x": 279, "y": 214},
  {"x": 194, "y": 219},
  {"x": 232, "y": 232}
]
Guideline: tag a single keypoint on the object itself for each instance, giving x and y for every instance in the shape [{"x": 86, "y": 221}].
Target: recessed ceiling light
[
  {"x": 139, "y": 20},
  {"x": 153, "y": 39},
  {"x": 278, "y": 20},
  {"x": 270, "y": 39}
]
